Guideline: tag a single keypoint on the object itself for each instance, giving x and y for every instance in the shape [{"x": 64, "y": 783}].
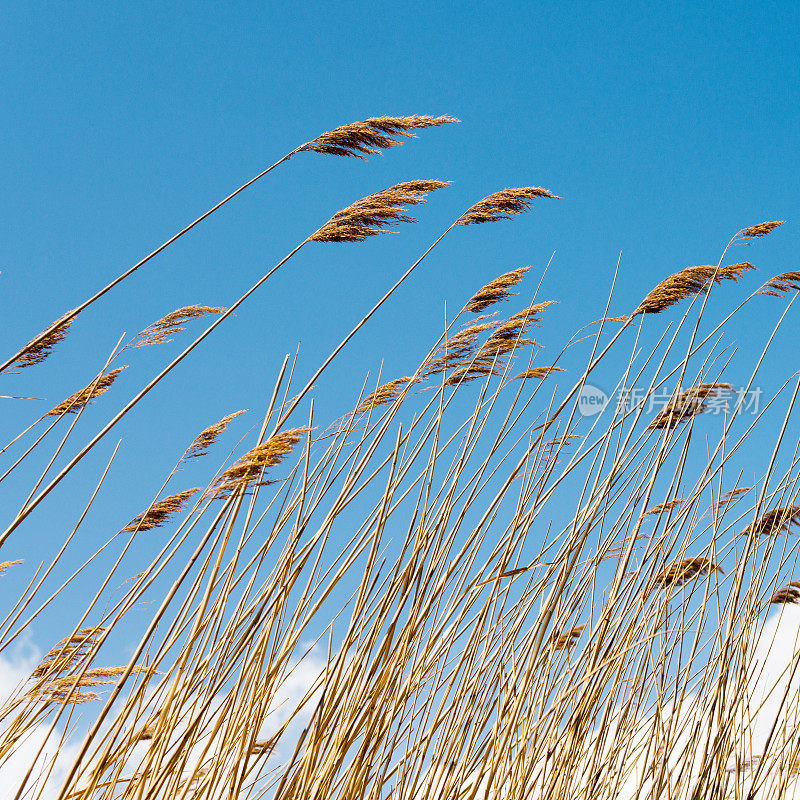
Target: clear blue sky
[{"x": 665, "y": 127}]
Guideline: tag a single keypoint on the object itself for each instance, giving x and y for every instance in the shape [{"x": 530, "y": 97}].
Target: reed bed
[{"x": 462, "y": 587}]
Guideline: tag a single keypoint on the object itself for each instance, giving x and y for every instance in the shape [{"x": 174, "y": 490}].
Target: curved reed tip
[
  {"x": 501, "y": 205},
  {"x": 160, "y": 511},
  {"x": 368, "y": 216},
  {"x": 371, "y": 136},
  {"x": 253, "y": 463},
  {"x": 781, "y": 284},
  {"x": 172, "y": 323},
  {"x": 762, "y": 229},
  {"x": 687, "y": 283},
  {"x": 75, "y": 402},
  {"x": 495, "y": 291},
  {"x": 687, "y": 404},
  {"x": 41, "y": 346},
  {"x": 777, "y": 520}
]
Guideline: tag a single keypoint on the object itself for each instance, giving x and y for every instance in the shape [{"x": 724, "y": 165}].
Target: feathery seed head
[
  {"x": 75, "y": 402},
  {"x": 568, "y": 638},
  {"x": 386, "y": 393},
  {"x": 687, "y": 404},
  {"x": 684, "y": 570},
  {"x": 41, "y": 346},
  {"x": 540, "y": 373},
  {"x": 204, "y": 440},
  {"x": 368, "y": 216},
  {"x": 371, "y": 136},
  {"x": 495, "y": 291},
  {"x": 777, "y": 520},
  {"x": 160, "y": 511},
  {"x": 6, "y": 565},
  {"x": 789, "y": 594},
  {"x": 782, "y": 284},
  {"x": 762, "y": 229},
  {"x": 687, "y": 283},
  {"x": 173, "y": 322},
  {"x": 253, "y": 463},
  {"x": 503, "y": 204}
]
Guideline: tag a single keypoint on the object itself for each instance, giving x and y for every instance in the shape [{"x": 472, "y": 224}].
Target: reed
[{"x": 463, "y": 587}]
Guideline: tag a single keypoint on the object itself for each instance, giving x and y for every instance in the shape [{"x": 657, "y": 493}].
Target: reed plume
[
  {"x": 789, "y": 594},
  {"x": 205, "y": 439},
  {"x": 668, "y": 506},
  {"x": 172, "y": 323},
  {"x": 775, "y": 521},
  {"x": 371, "y": 136},
  {"x": 510, "y": 335},
  {"x": 72, "y": 688},
  {"x": 503, "y": 204},
  {"x": 540, "y": 373},
  {"x": 75, "y": 402},
  {"x": 687, "y": 283},
  {"x": 66, "y": 653},
  {"x": 255, "y": 462},
  {"x": 782, "y": 284},
  {"x": 688, "y": 404},
  {"x": 685, "y": 570},
  {"x": 732, "y": 496},
  {"x": 386, "y": 393},
  {"x": 566, "y": 640},
  {"x": 762, "y": 229},
  {"x": 368, "y": 216},
  {"x": 495, "y": 291},
  {"x": 41, "y": 346},
  {"x": 6, "y": 565},
  {"x": 160, "y": 511}
]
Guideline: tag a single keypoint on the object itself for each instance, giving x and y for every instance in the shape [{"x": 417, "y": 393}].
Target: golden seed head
[
  {"x": 539, "y": 373},
  {"x": 777, "y": 520},
  {"x": 204, "y": 440},
  {"x": 160, "y": 511},
  {"x": 687, "y": 283},
  {"x": 6, "y": 565},
  {"x": 567, "y": 639},
  {"x": 386, "y": 393},
  {"x": 668, "y": 506},
  {"x": 762, "y": 229},
  {"x": 68, "y": 651},
  {"x": 172, "y": 323},
  {"x": 503, "y": 204},
  {"x": 251, "y": 465},
  {"x": 371, "y": 136},
  {"x": 782, "y": 284},
  {"x": 75, "y": 402},
  {"x": 789, "y": 594},
  {"x": 687, "y": 404},
  {"x": 684, "y": 570},
  {"x": 40, "y": 347},
  {"x": 370, "y": 215},
  {"x": 495, "y": 291}
]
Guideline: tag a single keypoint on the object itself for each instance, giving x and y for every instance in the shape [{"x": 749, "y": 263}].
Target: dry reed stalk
[
  {"x": 160, "y": 511},
  {"x": 685, "y": 570},
  {"x": 370, "y": 215},
  {"x": 782, "y": 284},
  {"x": 687, "y": 404},
  {"x": 6, "y": 565},
  {"x": 80, "y": 399},
  {"x": 255, "y": 462},
  {"x": 172, "y": 323},
  {"x": 41, "y": 346},
  {"x": 495, "y": 291},
  {"x": 205, "y": 439},
  {"x": 371, "y": 136},
  {"x": 762, "y": 229},
  {"x": 503, "y": 204},
  {"x": 775, "y": 521},
  {"x": 687, "y": 283}
]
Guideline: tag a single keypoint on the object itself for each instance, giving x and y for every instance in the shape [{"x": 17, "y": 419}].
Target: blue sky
[{"x": 665, "y": 129}]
